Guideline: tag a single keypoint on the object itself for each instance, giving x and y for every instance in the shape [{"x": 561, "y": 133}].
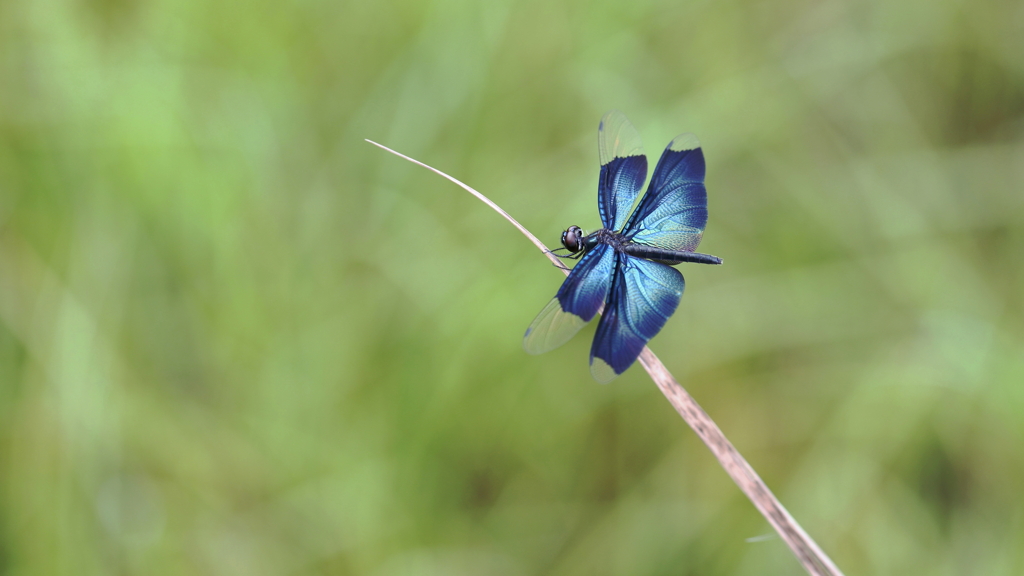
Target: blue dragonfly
[{"x": 627, "y": 265}]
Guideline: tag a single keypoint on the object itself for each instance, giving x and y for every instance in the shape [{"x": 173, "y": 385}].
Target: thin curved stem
[{"x": 813, "y": 559}]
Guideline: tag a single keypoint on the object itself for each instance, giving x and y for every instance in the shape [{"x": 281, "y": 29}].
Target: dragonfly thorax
[{"x": 576, "y": 242}]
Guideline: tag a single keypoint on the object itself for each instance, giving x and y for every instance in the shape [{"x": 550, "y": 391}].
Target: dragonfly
[{"x": 626, "y": 267}]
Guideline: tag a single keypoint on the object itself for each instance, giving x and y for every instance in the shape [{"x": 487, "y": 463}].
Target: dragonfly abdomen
[{"x": 671, "y": 257}]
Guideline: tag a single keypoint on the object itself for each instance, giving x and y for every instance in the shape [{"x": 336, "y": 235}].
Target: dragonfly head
[{"x": 572, "y": 239}]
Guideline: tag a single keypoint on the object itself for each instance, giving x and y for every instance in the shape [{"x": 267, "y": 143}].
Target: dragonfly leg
[{"x": 564, "y": 256}]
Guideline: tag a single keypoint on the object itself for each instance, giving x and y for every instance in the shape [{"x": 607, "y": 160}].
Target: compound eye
[
  {"x": 572, "y": 239},
  {"x": 568, "y": 241}
]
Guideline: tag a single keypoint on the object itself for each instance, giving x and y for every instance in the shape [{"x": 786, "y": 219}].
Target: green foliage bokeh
[{"x": 237, "y": 339}]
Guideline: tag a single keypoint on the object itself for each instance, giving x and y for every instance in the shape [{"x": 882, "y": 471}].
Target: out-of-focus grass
[{"x": 236, "y": 339}]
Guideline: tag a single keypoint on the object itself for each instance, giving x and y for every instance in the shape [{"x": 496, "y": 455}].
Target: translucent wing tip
[
  {"x": 609, "y": 118},
  {"x": 617, "y": 137},
  {"x": 684, "y": 142},
  {"x": 602, "y": 371},
  {"x": 552, "y": 328}
]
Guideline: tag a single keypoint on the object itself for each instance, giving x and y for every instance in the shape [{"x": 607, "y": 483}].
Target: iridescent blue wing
[
  {"x": 623, "y": 168},
  {"x": 579, "y": 298},
  {"x": 643, "y": 296},
  {"x": 674, "y": 211}
]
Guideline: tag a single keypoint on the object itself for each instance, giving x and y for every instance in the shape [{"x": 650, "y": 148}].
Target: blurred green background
[{"x": 236, "y": 339}]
